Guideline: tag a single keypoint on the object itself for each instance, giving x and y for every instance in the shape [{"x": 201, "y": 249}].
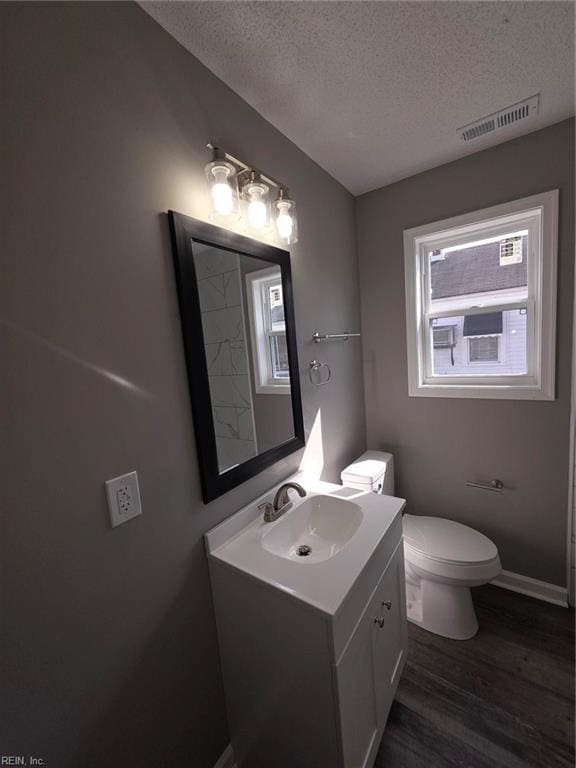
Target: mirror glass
[{"x": 244, "y": 331}]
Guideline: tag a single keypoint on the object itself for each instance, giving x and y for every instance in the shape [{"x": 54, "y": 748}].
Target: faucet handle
[{"x": 267, "y": 508}]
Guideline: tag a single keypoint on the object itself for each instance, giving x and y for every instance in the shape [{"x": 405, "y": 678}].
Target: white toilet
[{"x": 443, "y": 559}]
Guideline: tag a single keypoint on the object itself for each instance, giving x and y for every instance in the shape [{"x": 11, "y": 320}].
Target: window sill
[
  {"x": 484, "y": 392},
  {"x": 273, "y": 389}
]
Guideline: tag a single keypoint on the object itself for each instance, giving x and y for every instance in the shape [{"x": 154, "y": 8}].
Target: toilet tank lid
[
  {"x": 447, "y": 540},
  {"x": 368, "y": 468}
]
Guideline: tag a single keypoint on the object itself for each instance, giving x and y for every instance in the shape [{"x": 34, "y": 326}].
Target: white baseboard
[
  {"x": 541, "y": 590},
  {"x": 226, "y": 759}
]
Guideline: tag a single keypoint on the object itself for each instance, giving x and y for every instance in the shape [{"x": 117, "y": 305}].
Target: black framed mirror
[{"x": 237, "y": 313}]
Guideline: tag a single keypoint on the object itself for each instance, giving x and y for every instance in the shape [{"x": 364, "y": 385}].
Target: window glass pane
[
  {"x": 491, "y": 343},
  {"x": 495, "y": 268},
  {"x": 279, "y": 357},
  {"x": 276, "y": 304}
]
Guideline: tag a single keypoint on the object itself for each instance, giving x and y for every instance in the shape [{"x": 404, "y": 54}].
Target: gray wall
[
  {"x": 109, "y": 640},
  {"x": 441, "y": 443}
]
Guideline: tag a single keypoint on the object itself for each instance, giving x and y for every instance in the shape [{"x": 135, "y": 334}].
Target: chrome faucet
[{"x": 281, "y": 502}]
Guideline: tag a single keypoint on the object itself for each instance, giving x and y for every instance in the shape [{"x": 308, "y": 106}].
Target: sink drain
[{"x": 303, "y": 550}]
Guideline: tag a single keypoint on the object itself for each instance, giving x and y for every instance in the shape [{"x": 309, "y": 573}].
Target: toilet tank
[{"x": 373, "y": 471}]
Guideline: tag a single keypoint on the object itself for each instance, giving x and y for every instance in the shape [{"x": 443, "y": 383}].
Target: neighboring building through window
[
  {"x": 268, "y": 331},
  {"x": 480, "y": 292},
  {"x": 467, "y": 275}
]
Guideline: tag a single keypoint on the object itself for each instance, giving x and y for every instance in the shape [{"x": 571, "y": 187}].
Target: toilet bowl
[{"x": 443, "y": 559}]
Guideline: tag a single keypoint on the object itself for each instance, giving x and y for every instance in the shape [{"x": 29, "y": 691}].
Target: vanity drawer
[{"x": 351, "y": 611}]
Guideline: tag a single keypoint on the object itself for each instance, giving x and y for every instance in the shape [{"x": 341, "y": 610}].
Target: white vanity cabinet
[{"x": 306, "y": 688}]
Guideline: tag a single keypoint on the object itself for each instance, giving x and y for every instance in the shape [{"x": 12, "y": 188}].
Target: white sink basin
[
  {"x": 316, "y": 530},
  {"x": 343, "y": 526}
]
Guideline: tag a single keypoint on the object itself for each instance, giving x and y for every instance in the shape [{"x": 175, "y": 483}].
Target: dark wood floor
[{"x": 502, "y": 700}]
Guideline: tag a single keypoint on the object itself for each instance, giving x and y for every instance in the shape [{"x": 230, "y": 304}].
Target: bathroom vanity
[{"x": 311, "y": 621}]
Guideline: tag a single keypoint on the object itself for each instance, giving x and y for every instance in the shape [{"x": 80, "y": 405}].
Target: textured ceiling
[{"x": 374, "y": 91}]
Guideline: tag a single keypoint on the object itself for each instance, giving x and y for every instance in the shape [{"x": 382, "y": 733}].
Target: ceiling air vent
[{"x": 502, "y": 119}]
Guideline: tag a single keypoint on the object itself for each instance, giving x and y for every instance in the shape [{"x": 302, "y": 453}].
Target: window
[
  {"x": 268, "y": 331},
  {"x": 484, "y": 333},
  {"x": 484, "y": 349},
  {"x": 511, "y": 251},
  {"x": 444, "y": 336},
  {"x": 481, "y": 302}
]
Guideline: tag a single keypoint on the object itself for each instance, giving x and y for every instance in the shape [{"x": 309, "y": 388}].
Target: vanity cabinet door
[
  {"x": 357, "y": 695},
  {"x": 389, "y": 639},
  {"x": 369, "y": 669}
]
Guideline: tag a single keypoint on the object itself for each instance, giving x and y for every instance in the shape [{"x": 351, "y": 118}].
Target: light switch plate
[{"x": 123, "y": 498}]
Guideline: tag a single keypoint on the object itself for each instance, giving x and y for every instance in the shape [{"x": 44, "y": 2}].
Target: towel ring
[{"x": 315, "y": 367}]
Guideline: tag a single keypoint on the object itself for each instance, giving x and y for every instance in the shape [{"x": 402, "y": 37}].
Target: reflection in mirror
[{"x": 244, "y": 330}]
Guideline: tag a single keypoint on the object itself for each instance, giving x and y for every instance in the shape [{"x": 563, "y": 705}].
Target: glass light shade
[
  {"x": 286, "y": 222},
  {"x": 221, "y": 177},
  {"x": 255, "y": 194}
]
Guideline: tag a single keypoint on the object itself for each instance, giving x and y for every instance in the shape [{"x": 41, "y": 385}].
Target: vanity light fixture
[
  {"x": 225, "y": 174},
  {"x": 222, "y": 183}
]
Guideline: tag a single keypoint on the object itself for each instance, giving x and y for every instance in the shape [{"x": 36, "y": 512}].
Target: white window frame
[
  {"x": 264, "y": 381},
  {"x": 539, "y": 215}
]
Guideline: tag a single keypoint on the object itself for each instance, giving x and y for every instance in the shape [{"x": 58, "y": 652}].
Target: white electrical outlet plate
[{"x": 123, "y": 498}]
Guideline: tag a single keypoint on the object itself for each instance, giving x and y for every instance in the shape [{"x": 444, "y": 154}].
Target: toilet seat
[
  {"x": 463, "y": 574},
  {"x": 446, "y": 541},
  {"x": 448, "y": 552}
]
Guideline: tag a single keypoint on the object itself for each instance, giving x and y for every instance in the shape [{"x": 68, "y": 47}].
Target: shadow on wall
[{"x": 134, "y": 727}]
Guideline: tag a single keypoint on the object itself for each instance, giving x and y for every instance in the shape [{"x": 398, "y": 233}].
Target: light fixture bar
[
  {"x": 231, "y": 182},
  {"x": 247, "y": 168}
]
